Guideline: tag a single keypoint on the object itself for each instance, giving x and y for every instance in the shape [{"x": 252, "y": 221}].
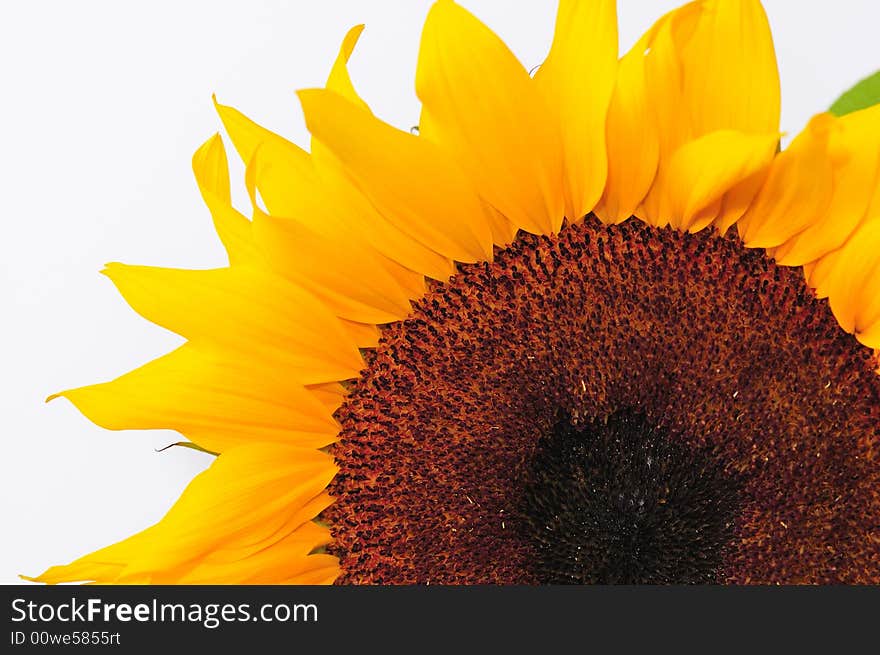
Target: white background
[{"x": 101, "y": 107}]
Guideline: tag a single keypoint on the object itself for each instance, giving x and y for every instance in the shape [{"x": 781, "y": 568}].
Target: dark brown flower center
[
  {"x": 618, "y": 501},
  {"x": 533, "y": 391}
]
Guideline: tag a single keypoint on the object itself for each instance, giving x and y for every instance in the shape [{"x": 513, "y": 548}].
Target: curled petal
[{"x": 211, "y": 170}]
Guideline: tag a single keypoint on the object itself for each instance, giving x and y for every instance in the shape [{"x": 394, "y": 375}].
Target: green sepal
[
  {"x": 863, "y": 95},
  {"x": 188, "y": 444}
]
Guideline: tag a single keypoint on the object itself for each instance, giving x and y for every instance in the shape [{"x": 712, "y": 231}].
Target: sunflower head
[{"x": 591, "y": 325}]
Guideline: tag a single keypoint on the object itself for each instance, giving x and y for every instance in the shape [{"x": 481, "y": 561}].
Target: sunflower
[{"x": 587, "y": 325}]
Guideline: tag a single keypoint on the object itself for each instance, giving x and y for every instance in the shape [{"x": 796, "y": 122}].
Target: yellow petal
[
  {"x": 252, "y": 500},
  {"x": 103, "y": 566},
  {"x": 796, "y": 190},
  {"x": 246, "y": 496},
  {"x": 284, "y": 175},
  {"x": 314, "y": 190},
  {"x": 246, "y": 135},
  {"x": 409, "y": 180},
  {"x": 330, "y": 394},
  {"x": 577, "y": 80},
  {"x": 853, "y": 285},
  {"x": 325, "y": 575},
  {"x": 730, "y": 79},
  {"x": 254, "y": 313},
  {"x": 711, "y": 68},
  {"x": 384, "y": 237},
  {"x": 480, "y": 105},
  {"x": 632, "y": 138},
  {"x": 664, "y": 72},
  {"x": 290, "y": 186},
  {"x": 819, "y": 273},
  {"x": 503, "y": 231},
  {"x": 738, "y": 199},
  {"x": 213, "y": 398},
  {"x": 365, "y": 335},
  {"x": 314, "y": 249},
  {"x": 295, "y": 523},
  {"x": 855, "y": 148},
  {"x": 290, "y": 558},
  {"x": 347, "y": 276},
  {"x": 873, "y": 210},
  {"x": 870, "y": 336},
  {"x": 663, "y": 85},
  {"x": 734, "y": 83},
  {"x": 339, "y": 79},
  {"x": 397, "y": 246},
  {"x": 264, "y": 558},
  {"x": 212, "y": 175},
  {"x": 701, "y": 171}
]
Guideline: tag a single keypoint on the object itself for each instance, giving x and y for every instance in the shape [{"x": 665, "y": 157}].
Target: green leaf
[{"x": 864, "y": 94}]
